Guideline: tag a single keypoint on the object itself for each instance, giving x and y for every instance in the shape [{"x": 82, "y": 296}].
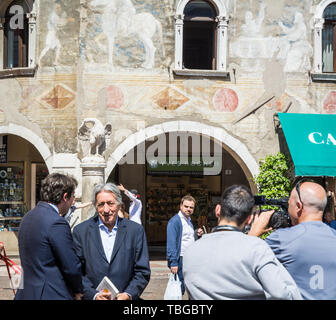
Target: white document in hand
[{"x": 107, "y": 285}]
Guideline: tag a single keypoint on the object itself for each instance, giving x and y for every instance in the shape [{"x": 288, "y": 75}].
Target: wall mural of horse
[{"x": 119, "y": 17}]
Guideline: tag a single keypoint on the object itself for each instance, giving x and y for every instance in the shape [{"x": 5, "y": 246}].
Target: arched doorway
[
  {"x": 162, "y": 182},
  {"x": 22, "y": 168}
]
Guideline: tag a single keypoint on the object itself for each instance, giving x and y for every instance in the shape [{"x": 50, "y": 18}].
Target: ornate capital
[
  {"x": 179, "y": 17},
  {"x": 222, "y": 21},
  {"x": 32, "y": 17},
  {"x": 318, "y": 23}
]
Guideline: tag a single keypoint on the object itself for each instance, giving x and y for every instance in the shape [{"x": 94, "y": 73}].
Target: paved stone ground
[
  {"x": 154, "y": 291},
  {"x": 6, "y": 293}
]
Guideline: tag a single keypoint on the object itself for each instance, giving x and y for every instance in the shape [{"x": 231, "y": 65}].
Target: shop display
[
  {"x": 164, "y": 202},
  {"x": 11, "y": 197}
]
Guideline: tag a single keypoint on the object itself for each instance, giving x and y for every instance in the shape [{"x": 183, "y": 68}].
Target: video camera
[{"x": 280, "y": 218}]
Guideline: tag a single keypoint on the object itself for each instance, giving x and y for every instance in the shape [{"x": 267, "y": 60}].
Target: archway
[
  {"x": 236, "y": 148},
  {"x": 22, "y": 168},
  {"x": 31, "y": 137},
  {"x": 162, "y": 183}
]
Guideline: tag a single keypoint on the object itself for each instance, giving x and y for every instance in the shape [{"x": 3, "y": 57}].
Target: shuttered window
[
  {"x": 329, "y": 39},
  {"x": 199, "y": 36},
  {"x": 16, "y": 35}
]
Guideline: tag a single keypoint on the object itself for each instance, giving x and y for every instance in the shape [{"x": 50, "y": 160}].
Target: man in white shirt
[
  {"x": 135, "y": 208},
  {"x": 180, "y": 235}
]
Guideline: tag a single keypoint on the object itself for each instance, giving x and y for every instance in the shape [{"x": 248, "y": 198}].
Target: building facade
[{"x": 150, "y": 94}]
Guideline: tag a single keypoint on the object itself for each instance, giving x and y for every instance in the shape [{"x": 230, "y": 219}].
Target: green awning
[{"x": 311, "y": 139}]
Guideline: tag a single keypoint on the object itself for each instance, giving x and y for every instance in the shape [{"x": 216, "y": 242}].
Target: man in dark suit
[
  {"x": 51, "y": 268},
  {"x": 111, "y": 246}
]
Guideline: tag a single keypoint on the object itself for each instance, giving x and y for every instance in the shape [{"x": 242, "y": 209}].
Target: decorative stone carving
[{"x": 94, "y": 137}]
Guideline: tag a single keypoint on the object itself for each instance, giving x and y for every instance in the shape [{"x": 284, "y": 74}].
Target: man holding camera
[
  {"x": 307, "y": 249},
  {"x": 228, "y": 264}
]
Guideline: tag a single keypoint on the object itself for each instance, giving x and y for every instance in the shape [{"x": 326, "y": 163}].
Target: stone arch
[
  {"x": 31, "y": 137},
  {"x": 235, "y": 147},
  {"x": 321, "y": 7},
  {"x": 217, "y": 4}
]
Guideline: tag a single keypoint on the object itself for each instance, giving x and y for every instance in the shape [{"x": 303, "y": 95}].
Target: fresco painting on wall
[
  {"x": 329, "y": 103},
  {"x": 119, "y": 17},
  {"x": 251, "y": 44},
  {"x": 58, "y": 98},
  {"x": 226, "y": 100},
  {"x": 115, "y": 97},
  {"x": 170, "y": 99},
  {"x": 292, "y": 46},
  {"x": 57, "y": 20}
]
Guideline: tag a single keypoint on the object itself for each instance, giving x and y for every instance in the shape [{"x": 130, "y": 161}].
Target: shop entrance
[
  {"x": 163, "y": 182},
  {"x": 22, "y": 168}
]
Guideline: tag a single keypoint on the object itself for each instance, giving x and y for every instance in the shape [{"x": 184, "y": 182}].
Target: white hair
[{"x": 107, "y": 187}]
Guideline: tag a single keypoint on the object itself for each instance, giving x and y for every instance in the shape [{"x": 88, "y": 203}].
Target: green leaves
[{"x": 273, "y": 180}]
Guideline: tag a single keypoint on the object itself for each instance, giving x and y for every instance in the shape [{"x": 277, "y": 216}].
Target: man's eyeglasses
[{"x": 111, "y": 204}]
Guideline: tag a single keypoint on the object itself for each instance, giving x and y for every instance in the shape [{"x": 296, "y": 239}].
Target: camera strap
[{"x": 225, "y": 228}]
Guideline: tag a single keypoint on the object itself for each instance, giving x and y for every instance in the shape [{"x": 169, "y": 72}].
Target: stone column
[
  {"x": 179, "y": 42},
  {"x": 318, "y": 27},
  {"x": 2, "y": 29},
  {"x": 222, "y": 43},
  {"x": 93, "y": 173},
  {"x": 32, "y": 39}
]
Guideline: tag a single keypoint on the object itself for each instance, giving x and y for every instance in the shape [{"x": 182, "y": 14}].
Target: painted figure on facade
[
  {"x": 57, "y": 20},
  {"x": 251, "y": 43},
  {"x": 294, "y": 45},
  {"x": 119, "y": 17},
  {"x": 252, "y": 27}
]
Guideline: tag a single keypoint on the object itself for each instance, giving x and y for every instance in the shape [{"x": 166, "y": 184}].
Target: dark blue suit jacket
[
  {"x": 51, "y": 268},
  {"x": 129, "y": 267}
]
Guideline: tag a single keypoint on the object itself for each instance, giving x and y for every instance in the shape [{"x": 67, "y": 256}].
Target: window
[
  {"x": 200, "y": 35},
  {"x": 329, "y": 39},
  {"x": 18, "y": 33}
]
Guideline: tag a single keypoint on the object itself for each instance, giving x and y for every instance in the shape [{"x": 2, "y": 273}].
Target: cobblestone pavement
[
  {"x": 6, "y": 292},
  {"x": 154, "y": 291}
]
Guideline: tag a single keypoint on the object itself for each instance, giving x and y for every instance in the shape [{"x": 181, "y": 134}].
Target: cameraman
[
  {"x": 308, "y": 248},
  {"x": 228, "y": 264}
]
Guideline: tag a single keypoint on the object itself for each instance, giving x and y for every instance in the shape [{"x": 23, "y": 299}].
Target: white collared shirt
[
  {"x": 53, "y": 206},
  {"x": 187, "y": 232},
  {"x": 135, "y": 208},
  {"x": 107, "y": 237}
]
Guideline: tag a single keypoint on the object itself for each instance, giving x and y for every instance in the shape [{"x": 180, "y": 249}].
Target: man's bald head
[
  {"x": 313, "y": 196},
  {"x": 308, "y": 204}
]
